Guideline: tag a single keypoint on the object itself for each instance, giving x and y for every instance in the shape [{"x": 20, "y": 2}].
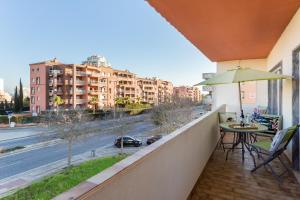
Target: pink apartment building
[
  {"x": 77, "y": 84},
  {"x": 192, "y": 93}
]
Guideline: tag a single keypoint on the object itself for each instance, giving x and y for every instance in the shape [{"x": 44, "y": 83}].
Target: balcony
[
  {"x": 93, "y": 92},
  {"x": 81, "y": 101},
  {"x": 68, "y": 82},
  {"x": 55, "y": 72},
  {"x": 185, "y": 165},
  {"x": 80, "y": 91},
  {"x": 95, "y": 83},
  {"x": 79, "y": 82},
  {"x": 81, "y": 73}
]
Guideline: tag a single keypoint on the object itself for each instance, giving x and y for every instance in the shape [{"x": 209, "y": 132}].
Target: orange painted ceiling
[{"x": 229, "y": 29}]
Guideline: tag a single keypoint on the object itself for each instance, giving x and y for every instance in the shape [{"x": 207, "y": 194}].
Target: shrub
[{"x": 19, "y": 119}]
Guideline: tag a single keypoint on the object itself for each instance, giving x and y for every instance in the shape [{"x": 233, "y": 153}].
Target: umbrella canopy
[
  {"x": 242, "y": 75},
  {"x": 239, "y": 75}
]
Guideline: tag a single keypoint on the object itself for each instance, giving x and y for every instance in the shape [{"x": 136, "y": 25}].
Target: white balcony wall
[
  {"x": 282, "y": 52},
  {"x": 167, "y": 169},
  {"x": 228, "y": 93}
]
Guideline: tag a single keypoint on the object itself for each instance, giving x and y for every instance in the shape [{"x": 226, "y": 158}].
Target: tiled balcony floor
[{"x": 232, "y": 179}]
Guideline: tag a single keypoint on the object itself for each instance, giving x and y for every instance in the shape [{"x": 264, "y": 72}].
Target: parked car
[
  {"x": 127, "y": 141},
  {"x": 153, "y": 139}
]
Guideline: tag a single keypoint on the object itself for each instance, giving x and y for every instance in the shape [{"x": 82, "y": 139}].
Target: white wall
[
  {"x": 167, "y": 169},
  {"x": 228, "y": 94},
  {"x": 282, "y": 51}
]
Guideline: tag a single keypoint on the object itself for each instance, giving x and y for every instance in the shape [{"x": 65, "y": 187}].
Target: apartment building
[
  {"x": 165, "y": 91},
  {"x": 126, "y": 84},
  {"x": 192, "y": 93},
  {"x": 148, "y": 90},
  {"x": 77, "y": 84}
]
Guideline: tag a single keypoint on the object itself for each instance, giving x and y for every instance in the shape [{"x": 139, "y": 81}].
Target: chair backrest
[
  {"x": 227, "y": 117},
  {"x": 283, "y": 138}
]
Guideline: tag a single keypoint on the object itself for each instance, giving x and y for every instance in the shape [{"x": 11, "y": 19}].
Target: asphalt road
[{"x": 21, "y": 162}]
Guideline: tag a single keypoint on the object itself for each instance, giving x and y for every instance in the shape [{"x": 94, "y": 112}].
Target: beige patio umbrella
[{"x": 240, "y": 75}]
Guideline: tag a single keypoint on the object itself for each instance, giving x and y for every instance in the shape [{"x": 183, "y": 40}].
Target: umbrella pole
[{"x": 240, "y": 98}]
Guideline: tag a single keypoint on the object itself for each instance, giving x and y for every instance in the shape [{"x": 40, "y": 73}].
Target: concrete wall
[
  {"x": 282, "y": 51},
  {"x": 167, "y": 169},
  {"x": 228, "y": 93}
]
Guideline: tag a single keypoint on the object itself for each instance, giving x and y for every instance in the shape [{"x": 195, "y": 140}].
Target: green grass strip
[{"x": 56, "y": 184}]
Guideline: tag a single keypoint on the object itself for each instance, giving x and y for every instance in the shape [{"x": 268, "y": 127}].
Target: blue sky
[{"x": 130, "y": 34}]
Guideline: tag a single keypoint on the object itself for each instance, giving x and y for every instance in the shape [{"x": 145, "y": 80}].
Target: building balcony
[
  {"x": 59, "y": 92},
  {"x": 81, "y": 73},
  {"x": 80, "y": 91},
  {"x": 93, "y": 92},
  {"x": 164, "y": 171},
  {"x": 68, "y": 82},
  {"x": 78, "y": 82},
  {"x": 94, "y": 83},
  {"x": 81, "y": 101},
  {"x": 55, "y": 72}
]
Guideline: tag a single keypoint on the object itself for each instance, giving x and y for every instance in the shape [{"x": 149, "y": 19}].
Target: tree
[
  {"x": 122, "y": 127},
  {"x": 119, "y": 101},
  {"x": 26, "y": 102},
  {"x": 57, "y": 102},
  {"x": 94, "y": 102},
  {"x": 21, "y": 98},
  {"x": 127, "y": 100},
  {"x": 6, "y": 106},
  {"x": 138, "y": 100},
  {"x": 2, "y": 106},
  {"x": 68, "y": 125},
  {"x": 16, "y": 100}
]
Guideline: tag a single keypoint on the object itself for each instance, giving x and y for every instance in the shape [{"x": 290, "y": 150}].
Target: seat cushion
[{"x": 264, "y": 145}]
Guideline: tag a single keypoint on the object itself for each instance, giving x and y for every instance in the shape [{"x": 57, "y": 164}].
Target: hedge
[{"x": 19, "y": 119}]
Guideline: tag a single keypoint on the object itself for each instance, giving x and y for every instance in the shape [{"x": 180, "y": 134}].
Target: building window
[
  {"x": 38, "y": 89},
  {"x": 32, "y": 90},
  {"x": 38, "y": 69},
  {"x": 38, "y": 80},
  {"x": 32, "y": 69},
  {"x": 33, "y": 80},
  {"x": 38, "y": 109},
  {"x": 38, "y": 98},
  {"x": 32, "y": 100}
]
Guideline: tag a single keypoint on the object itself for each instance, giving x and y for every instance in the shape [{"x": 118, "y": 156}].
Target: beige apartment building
[
  {"x": 77, "y": 84},
  {"x": 186, "y": 92}
]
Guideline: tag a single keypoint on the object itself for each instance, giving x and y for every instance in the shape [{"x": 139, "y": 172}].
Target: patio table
[{"x": 244, "y": 136}]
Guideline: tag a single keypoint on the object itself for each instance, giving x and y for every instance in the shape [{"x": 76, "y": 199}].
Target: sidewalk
[{"x": 13, "y": 183}]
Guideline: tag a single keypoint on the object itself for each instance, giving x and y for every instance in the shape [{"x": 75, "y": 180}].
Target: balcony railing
[
  {"x": 78, "y": 82},
  {"x": 167, "y": 169},
  {"x": 80, "y": 91},
  {"x": 55, "y": 72},
  {"x": 81, "y": 101},
  {"x": 93, "y": 92}
]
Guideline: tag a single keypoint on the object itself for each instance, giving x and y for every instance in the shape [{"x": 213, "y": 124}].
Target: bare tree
[
  {"x": 171, "y": 116},
  {"x": 69, "y": 126},
  {"x": 121, "y": 126}
]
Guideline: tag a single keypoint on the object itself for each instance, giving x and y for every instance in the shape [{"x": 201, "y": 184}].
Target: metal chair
[
  {"x": 273, "y": 149},
  {"x": 226, "y": 117}
]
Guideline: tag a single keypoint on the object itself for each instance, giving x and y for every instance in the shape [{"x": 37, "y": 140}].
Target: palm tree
[
  {"x": 119, "y": 101},
  {"x": 138, "y": 100},
  {"x": 57, "y": 102},
  {"x": 94, "y": 102},
  {"x": 127, "y": 100}
]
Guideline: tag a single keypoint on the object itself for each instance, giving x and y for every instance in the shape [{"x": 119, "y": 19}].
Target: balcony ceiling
[{"x": 229, "y": 29}]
